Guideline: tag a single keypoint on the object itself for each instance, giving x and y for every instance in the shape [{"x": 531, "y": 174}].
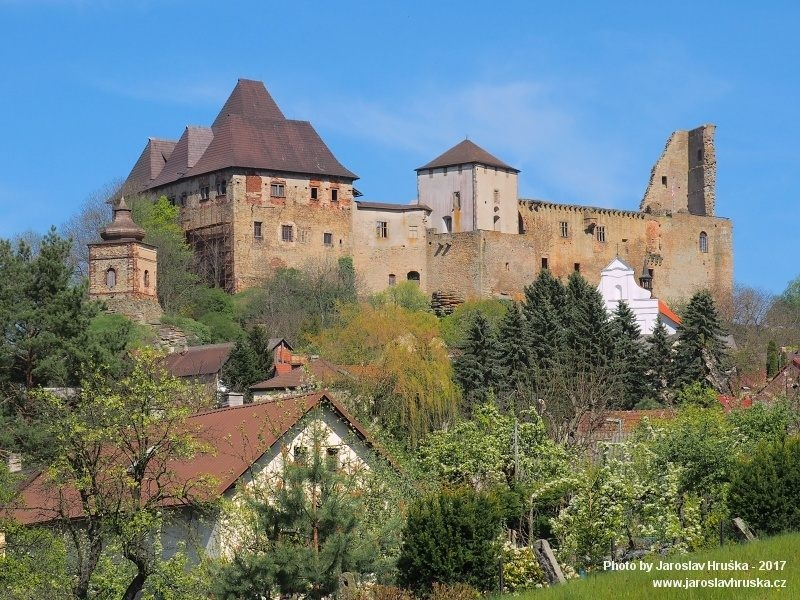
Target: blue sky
[{"x": 581, "y": 96}]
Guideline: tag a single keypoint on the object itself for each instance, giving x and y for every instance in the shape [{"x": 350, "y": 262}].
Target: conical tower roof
[{"x": 122, "y": 228}]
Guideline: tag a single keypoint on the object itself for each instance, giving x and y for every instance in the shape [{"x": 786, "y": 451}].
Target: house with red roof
[{"x": 243, "y": 447}]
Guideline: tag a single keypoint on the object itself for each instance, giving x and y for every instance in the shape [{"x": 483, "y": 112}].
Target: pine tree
[
  {"x": 628, "y": 354},
  {"x": 658, "y": 363},
  {"x": 477, "y": 370},
  {"x": 700, "y": 354},
  {"x": 772, "y": 359}
]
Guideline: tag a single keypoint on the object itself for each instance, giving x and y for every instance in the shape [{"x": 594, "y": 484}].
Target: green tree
[
  {"x": 406, "y": 294},
  {"x": 545, "y": 309},
  {"x": 478, "y": 370},
  {"x": 304, "y": 533},
  {"x": 589, "y": 335},
  {"x": 451, "y": 537},
  {"x": 772, "y": 359},
  {"x": 658, "y": 364},
  {"x": 116, "y": 443},
  {"x": 514, "y": 358},
  {"x": 250, "y": 361},
  {"x": 701, "y": 353},
  {"x": 454, "y": 327},
  {"x": 629, "y": 355}
]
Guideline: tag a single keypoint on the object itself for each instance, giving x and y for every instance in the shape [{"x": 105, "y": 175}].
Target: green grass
[{"x": 638, "y": 584}]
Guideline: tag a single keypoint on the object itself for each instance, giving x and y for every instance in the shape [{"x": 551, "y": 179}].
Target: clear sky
[{"x": 580, "y": 96}]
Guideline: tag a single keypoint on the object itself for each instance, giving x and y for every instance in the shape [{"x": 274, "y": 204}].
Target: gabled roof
[
  {"x": 665, "y": 310},
  {"x": 315, "y": 370},
  {"x": 196, "y": 361},
  {"x": 148, "y": 167},
  {"x": 466, "y": 153},
  {"x": 273, "y": 343},
  {"x": 234, "y": 439},
  {"x": 190, "y": 147}
]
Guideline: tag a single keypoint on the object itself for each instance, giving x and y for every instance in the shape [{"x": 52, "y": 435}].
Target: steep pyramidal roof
[
  {"x": 150, "y": 163},
  {"x": 466, "y": 153},
  {"x": 249, "y": 132},
  {"x": 250, "y": 99}
]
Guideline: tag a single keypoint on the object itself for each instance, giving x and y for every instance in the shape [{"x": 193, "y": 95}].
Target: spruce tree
[
  {"x": 514, "y": 363},
  {"x": 589, "y": 335},
  {"x": 477, "y": 370},
  {"x": 658, "y": 363},
  {"x": 628, "y": 354},
  {"x": 544, "y": 311},
  {"x": 700, "y": 353}
]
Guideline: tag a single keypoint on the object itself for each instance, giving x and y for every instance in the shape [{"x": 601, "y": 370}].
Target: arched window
[
  {"x": 703, "y": 241},
  {"x": 147, "y": 279},
  {"x": 111, "y": 278},
  {"x": 448, "y": 224},
  {"x": 413, "y": 276}
]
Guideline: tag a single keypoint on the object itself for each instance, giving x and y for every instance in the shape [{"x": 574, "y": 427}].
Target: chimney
[{"x": 232, "y": 399}]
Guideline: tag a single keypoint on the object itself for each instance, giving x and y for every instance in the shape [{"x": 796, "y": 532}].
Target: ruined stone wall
[{"x": 378, "y": 260}]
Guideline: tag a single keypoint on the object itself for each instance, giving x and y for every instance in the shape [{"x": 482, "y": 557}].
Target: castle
[{"x": 258, "y": 191}]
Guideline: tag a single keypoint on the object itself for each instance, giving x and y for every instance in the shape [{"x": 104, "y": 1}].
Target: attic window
[
  {"x": 664, "y": 180},
  {"x": 314, "y": 193},
  {"x": 444, "y": 170},
  {"x": 204, "y": 191},
  {"x": 300, "y": 455},
  {"x": 222, "y": 187},
  {"x": 459, "y": 168}
]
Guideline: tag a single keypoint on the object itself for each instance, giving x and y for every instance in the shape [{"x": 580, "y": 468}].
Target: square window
[
  {"x": 600, "y": 231},
  {"x": 334, "y": 195},
  {"x": 381, "y": 229},
  {"x": 222, "y": 187},
  {"x": 204, "y": 190},
  {"x": 413, "y": 232},
  {"x": 544, "y": 262},
  {"x": 287, "y": 233},
  {"x": 277, "y": 190},
  {"x": 257, "y": 229},
  {"x": 564, "y": 229},
  {"x": 327, "y": 239},
  {"x": 315, "y": 193}
]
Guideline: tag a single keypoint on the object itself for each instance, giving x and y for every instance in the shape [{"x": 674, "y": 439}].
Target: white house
[
  {"x": 618, "y": 282},
  {"x": 244, "y": 446}
]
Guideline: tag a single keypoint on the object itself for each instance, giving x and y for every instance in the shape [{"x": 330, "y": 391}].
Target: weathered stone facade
[{"x": 258, "y": 192}]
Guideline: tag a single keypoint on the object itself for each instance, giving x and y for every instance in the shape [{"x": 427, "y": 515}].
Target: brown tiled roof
[
  {"x": 616, "y": 425},
  {"x": 235, "y": 438},
  {"x": 198, "y": 360},
  {"x": 394, "y": 207},
  {"x": 317, "y": 369},
  {"x": 190, "y": 147},
  {"x": 466, "y": 153},
  {"x": 149, "y": 166},
  {"x": 250, "y": 132}
]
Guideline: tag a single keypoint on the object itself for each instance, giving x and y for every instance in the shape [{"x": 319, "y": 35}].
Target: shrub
[
  {"x": 765, "y": 487},
  {"x": 521, "y": 569},
  {"x": 450, "y": 537}
]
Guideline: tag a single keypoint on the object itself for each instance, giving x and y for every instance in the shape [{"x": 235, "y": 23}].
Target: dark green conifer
[
  {"x": 514, "y": 363},
  {"x": 628, "y": 355},
  {"x": 658, "y": 363},
  {"x": 700, "y": 353},
  {"x": 477, "y": 370},
  {"x": 772, "y": 359}
]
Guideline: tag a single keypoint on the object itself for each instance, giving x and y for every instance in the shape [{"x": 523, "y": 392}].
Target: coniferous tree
[
  {"x": 250, "y": 361},
  {"x": 544, "y": 311},
  {"x": 514, "y": 363},
  {"x": 589, "y": 335},
  {"x": 772, "y": 359},
  {"x": 658, "y": 363},
  {"x": 700, "y": 353},
  {"x": 628, "y": 354},
  {"x": 477, "y": 370}
]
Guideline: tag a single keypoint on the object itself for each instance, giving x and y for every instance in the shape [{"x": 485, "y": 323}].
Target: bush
[
  {"x": 521, "y": 569},
  {"x": 451, "y": 537},
  {"x": 765, "y": 487}
]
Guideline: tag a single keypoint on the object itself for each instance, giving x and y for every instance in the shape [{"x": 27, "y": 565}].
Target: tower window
[
  {"x": 497, "y": 196},
  {"x": 544, "y": 262},
  {"x": 448, "y": 224},
  {"x": 111, "y": 278},
  {"x": 327, "y": 239},
  {"x": 314, "y": 193},
  {"x": 577, "y": 267},
  {"x": 381, "y": 229},
  {"x": 444, "y": 170},
  {"x": 703, "y": 242},
  {"x": 413, "y": 232},
  {"x": 600, "y": 232},
  {"x": 287, "y": 233},
  {"x": 257, "y": 230},
  {"x": 664, "y": 180},
  {"x": 699, "y": 154},
  {"x": 456, "y": 200},
  {"x": 392, "y": 279},
  {"x": 334, "y": 195},
  {"x": 459, "y": 168},
  {"x": 204, "y": 192},
  {"x": 147, "y": 279},
  {"x": 222, "y": 187},
  {"x": 564, "y": 229}
]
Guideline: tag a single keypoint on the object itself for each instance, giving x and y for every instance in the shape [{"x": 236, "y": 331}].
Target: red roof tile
[
  {"x": 466, "y": 153},
  {"x": 236, "y": 438},
  {"x": 149, "y": 166},
  {"x": 198, "y": 360},
  {"x": 667, "y": 312},
  {"x": 317, "y": 369}
]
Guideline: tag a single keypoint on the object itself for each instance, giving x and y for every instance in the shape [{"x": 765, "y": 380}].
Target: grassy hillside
[{"x": 638, "y": 584}]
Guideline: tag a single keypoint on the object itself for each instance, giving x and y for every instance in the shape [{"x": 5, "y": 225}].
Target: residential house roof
[
  {"x": 465, "y": 153},
  {"x": 273, "y": 343},
  {"x": 315, "y": 370},
  {"x": 665, "y": 310},
  {"x": 235, "y": 438},
  {"x": 196, "y": 361},
  {"x": 617, "y": 425}
]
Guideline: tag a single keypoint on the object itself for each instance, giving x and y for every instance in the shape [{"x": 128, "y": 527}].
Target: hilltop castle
[{"x": 258, "y": 191}]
